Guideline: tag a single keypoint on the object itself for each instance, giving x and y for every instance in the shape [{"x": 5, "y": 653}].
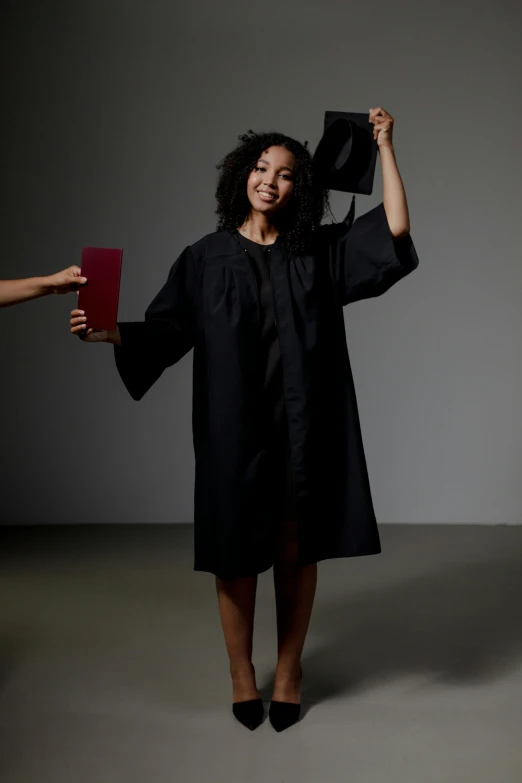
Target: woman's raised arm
[{"x": 395, "y": 203}]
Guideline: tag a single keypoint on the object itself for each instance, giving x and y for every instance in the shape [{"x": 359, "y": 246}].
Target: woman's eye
[{"x": 259, "y": 168}]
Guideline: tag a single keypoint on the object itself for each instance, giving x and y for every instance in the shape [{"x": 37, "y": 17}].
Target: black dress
[
  {"x": 212, "y": 303},
  {"x": 273, "y": 403}
]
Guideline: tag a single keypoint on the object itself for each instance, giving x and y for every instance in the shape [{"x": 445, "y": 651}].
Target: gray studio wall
[{"x": 115, "y": 114}]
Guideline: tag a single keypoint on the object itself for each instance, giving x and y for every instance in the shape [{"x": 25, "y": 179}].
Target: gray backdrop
[{"x": 115, "y": 114}]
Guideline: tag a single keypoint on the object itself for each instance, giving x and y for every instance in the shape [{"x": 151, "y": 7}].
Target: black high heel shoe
[
  {"x": 249, "y": 713},
  {"x": 283, "y": 714}
]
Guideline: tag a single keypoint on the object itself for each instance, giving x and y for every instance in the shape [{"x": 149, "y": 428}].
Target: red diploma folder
[{"x": 99, "y": 296}]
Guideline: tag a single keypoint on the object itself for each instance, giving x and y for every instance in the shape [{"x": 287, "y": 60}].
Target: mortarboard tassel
[{"x": 350, "y": 217}]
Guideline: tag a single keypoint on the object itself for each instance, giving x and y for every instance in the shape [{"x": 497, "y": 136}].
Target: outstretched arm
[
  {"x": 395, "y": 203},
  {"x": 17, "y": 291},
  {"x": 144, "y": 349}
]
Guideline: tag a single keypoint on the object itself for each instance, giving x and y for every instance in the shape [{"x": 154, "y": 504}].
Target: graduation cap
[{"x": 346, "y": 155}]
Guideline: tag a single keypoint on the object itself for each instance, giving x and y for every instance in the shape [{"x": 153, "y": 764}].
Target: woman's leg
[
  {"x": 295, "y": 591},
  {"x": 237, "y": 600}
]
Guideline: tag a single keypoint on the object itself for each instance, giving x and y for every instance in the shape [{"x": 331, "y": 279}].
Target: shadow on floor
[{"x": 460, "y": 624}]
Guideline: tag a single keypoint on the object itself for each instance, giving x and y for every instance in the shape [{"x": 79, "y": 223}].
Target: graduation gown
[{"x": 210, "y": 303}]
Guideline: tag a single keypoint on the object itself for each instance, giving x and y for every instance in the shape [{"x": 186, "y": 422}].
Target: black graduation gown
[{"x": 210, "y": 303}]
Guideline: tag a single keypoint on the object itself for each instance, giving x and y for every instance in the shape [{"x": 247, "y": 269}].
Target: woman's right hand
[{"x": 79, "y": 328}]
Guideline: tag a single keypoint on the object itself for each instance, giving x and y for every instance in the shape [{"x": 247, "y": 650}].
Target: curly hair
[{"x": 302, "y": 215}]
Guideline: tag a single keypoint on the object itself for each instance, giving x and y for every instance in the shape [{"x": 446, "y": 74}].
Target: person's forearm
[
  {"x": 395, "y": 203},
  {"x": 103, "y": 336},
  {"x": 113, "y": 336},
  {"x": 15, "y": 291}
]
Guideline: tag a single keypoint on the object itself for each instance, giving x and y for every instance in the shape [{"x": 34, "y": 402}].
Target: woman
[{"x": 280, "y": 471}]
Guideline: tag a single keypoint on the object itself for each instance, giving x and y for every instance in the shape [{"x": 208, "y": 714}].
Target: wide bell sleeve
[
  {"x": 168, "y": 332},
  {"x": 366, "y": 260}
]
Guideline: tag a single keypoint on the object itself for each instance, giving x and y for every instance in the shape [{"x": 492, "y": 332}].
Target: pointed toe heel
[
  {"x": 283, "y": 714},
  {"x": 249, "y": 713}
]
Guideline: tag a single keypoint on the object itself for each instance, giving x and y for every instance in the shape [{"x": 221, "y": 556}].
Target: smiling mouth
[{"x": 266, "y": 196}]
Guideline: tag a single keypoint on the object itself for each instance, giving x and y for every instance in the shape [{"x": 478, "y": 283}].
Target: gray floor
[{"x": 112, "y": 667}]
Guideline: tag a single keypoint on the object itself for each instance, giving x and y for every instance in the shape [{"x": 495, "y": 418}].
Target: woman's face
[{"x": 271, "y": 183}]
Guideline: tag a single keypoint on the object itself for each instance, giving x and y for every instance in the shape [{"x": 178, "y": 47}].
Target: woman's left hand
[{"x": 382, "y": 127}]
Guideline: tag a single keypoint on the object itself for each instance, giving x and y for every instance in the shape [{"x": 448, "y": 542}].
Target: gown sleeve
[
  {"x": 148, "y": 347},
  {"x": 366, "y": 260}
]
